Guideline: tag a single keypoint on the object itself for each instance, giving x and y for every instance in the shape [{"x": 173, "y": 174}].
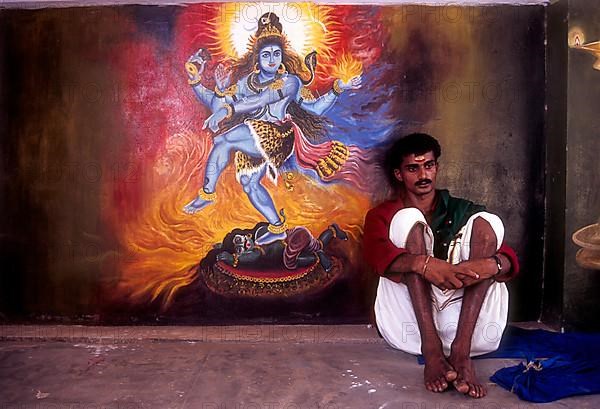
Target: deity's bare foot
[
  {"x": 467, "y": 381},
  {"x": 196, "y": 205},
  {"x": 269, "y": 237},
  {"x": 438, "y": 371},
  {"x": 339, "y": 233}
]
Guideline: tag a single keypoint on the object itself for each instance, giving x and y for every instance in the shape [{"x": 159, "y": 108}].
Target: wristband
[
  {"x": 498, "y": 264},
  {"x": 337, "y": 90}
]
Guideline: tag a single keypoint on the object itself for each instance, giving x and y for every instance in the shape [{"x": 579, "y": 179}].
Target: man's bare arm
[{"x": 436, "y": 271}]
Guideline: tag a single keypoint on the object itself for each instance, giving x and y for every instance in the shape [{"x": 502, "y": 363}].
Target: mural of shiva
[{"x": 263, "y": 113}]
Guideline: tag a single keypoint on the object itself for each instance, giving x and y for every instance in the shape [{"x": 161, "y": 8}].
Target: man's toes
[
  {"x": 461, "y": 386},
  {"x": 429, "y": 386},
  {"x": 443, "y": 384},
  {"x": 451, "y": 375},
  {"x": 438, "y": 385},
  {"x": 476, "y": 391}
]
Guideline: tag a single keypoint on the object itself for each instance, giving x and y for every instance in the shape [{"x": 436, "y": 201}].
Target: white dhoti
[{"x": 394, "y": 311}]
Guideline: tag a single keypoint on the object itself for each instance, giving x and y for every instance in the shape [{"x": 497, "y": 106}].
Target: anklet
[
  {"x": 277, "y": 229},
  {"x": 207, "y": 196}
]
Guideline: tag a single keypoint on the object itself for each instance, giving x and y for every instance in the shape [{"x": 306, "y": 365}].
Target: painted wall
[
  {"x": 103, "y": 147},
  {"x": 574, "y": 195}
]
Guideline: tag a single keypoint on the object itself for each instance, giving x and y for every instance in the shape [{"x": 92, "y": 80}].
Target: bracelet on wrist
[
  {"x": 195, "y": 82},
  {"x": 336, "y": 88},
  {"x": 219, "y": 93},
  {"x": 424, "y": 270},
  {"x": 498, "y": 264},
  {"x": 230, "y": 110}
]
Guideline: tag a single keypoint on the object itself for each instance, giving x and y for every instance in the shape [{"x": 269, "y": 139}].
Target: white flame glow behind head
[{"x": 295, "y": 20}]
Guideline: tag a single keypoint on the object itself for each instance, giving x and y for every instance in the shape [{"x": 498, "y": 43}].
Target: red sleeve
[
  {"x": 378, "y": 250},
  {"x": 510, "y": 254}
]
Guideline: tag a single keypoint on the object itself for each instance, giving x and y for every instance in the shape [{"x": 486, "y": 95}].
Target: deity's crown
[{"x": 267, "y": 28}]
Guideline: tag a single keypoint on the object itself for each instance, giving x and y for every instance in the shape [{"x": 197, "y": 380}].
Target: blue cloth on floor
[
  {"x": 523, "y": 343},
  {"x": 551, "y": 379},
  {"x": 527, "y": 344},
  {"x": 572, "y": 366}
]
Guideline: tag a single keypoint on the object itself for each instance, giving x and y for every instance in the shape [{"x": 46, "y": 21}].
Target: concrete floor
[{"x": 270, "y": 367}]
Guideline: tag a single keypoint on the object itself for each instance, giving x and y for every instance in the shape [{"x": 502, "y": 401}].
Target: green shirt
[{"x": 449, "y": 216}]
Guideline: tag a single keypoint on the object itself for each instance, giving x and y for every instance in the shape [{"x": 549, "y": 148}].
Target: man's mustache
[{"x": 423, "y": 182}]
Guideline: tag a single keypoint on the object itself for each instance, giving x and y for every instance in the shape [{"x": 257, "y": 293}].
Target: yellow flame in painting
[
  {"x": 167, "y": 244},
  {"x": 347, "y": 68}
]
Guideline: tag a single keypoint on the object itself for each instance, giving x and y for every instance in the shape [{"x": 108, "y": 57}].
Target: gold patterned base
[{"x": 226, "y": 281}]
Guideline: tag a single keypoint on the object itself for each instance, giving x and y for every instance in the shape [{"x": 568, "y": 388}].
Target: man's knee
[
  {"x": 403, "y": 223},
  {"x": 483, "y": 229},
  {"x": 415, "y": 242},
  {"x": 486, "y": 233},
  {"x": 483, "y": 238}
]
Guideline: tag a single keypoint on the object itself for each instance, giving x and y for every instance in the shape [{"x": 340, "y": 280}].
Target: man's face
[
  {"x": 418, "y": 172},
  {"x": 269, "y": 58}
]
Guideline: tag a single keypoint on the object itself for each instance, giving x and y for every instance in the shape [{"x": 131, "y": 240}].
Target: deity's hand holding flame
[
  {"x": 353, "y": 83},
  {"x": 349, "y": 73}
]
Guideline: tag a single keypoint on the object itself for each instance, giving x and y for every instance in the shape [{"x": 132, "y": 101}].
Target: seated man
[{"x": 442, "y": 265}]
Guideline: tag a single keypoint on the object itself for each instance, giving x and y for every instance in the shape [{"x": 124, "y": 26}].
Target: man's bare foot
[
  {"x": 438, "y": 372},
  {"x": 467, "y": 381}
]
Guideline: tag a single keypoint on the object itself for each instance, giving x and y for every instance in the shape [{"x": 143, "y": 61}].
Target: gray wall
[{"x": 573, "y": 166}]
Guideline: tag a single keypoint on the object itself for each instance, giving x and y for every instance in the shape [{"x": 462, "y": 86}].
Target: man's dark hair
[{"x": 414, "y": 143}]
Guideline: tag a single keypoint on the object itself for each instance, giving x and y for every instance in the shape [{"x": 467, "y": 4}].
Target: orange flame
[
  {"x": 347, "y": 68},
  {"x": 168, "y": 244}
]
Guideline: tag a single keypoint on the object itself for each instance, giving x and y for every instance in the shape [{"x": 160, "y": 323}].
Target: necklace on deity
[{"x": 255, "y": 85}]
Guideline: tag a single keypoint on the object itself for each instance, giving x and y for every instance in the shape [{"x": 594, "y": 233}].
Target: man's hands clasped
[{"x": 447, "y": 276}]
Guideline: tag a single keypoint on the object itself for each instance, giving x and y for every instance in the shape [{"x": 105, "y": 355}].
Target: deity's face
[
  {"x": 418, "y": 172},
  {"x": 270, "y": 57}
]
